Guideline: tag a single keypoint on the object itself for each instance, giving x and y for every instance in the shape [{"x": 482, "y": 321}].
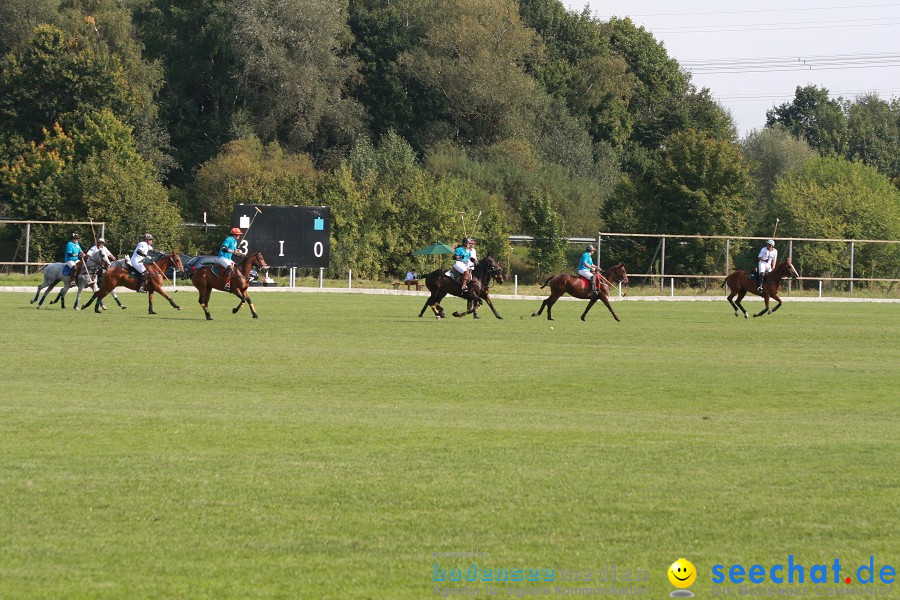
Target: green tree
[
  {"x": 833, "y": 198},
  {"x": 297, "y": 68},
  {"x": 248, "y": 171},
  {"x": 815, "y": 117},
  {"x": 771, "y": 153},
  {"x": 545, "y": 227},
  {"x": 874, "y": 134},
  {"x": 475, "y": 54}
]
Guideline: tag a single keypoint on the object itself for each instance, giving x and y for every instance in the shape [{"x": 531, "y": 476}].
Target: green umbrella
[{"x": 434, "y": 249}]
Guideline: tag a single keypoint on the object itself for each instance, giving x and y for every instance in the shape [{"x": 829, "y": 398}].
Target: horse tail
[{"x": 549, "y": 279}]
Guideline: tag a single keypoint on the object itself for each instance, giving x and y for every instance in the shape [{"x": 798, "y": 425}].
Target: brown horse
[
  {"x": 205, "y": 280},
  {"x": 440, "y": 284},
  {"x": 739, "y": 284},
  {"x": 116, "y": 276},
  {"x": 576, "y": 286}
]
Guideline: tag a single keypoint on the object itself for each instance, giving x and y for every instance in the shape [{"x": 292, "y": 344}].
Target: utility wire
[{"x": 772, "y": 10}]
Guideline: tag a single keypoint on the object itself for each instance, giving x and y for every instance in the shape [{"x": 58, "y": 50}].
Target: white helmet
[
  {"x": 770, "y": 242},
  {"x": 101, "y": 241}
]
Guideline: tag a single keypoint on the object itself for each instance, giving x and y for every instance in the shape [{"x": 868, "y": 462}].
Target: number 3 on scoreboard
[{"x": 244, "y": 247}]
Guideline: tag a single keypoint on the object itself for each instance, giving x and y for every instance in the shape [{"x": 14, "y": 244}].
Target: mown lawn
[{"x": 329, "y": 448}]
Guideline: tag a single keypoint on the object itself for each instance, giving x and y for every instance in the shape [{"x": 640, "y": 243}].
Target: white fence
[
  {"x": 659, "y": 256},
  {"x": 27, "y": 263}
]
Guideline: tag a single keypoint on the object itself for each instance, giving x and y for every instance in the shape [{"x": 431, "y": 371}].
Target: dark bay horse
[
  {"x": 440, "y": 284},
  {"x": 577, "y": 287},
  {"x": 205, "y": 280},
  {"x": 740, "y": 284},
  {"x": 117, "y": 276}
]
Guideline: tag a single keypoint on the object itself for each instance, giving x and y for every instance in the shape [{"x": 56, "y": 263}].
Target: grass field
[{"x": 329, "y": 448}]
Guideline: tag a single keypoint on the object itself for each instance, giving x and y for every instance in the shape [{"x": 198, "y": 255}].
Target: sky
[{"x": 753, "y": 55}]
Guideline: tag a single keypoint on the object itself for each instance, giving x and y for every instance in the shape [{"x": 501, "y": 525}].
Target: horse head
[
  {"x": 789, "y": 267},
  {"x": 258, "y": 262},
  {"x": 619, "y": 273},
  {"x": 492, "y": 268},
  {"x": 176, "y": 261}
]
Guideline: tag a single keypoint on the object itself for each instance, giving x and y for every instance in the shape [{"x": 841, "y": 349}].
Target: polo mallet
[
  {"x": 475, "y": 226},
  {"x": 776, "y": 228},
  {"x": 258, "y": 212},
  {"x": 462, "y": 217}
]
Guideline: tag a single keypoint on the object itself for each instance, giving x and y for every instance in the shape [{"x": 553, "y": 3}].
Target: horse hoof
[
  {"x": 103, "y": 307},
  {"x": 255, "y": 316},
  {"x": 35, "y": 300},
  {"x": 234, "y": 311},
  {"x": 209, "y": 317},
  {"x": 76, "y": 308},
  {"x": 582, "y": 317},
  {"x": 151, "y": 312},
  {"x": 124, "y": 307},
  {"x": 177, "y": 308}
]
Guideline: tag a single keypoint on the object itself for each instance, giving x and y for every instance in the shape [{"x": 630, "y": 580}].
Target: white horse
[{"x": 53, "y": 274}]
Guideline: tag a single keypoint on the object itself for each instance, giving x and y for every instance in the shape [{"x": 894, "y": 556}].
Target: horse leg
[
  {"x": 240, "y": 295},
  {"x": 733, "y": 305},
  {"x": 90, "y": 301},
  {"x": 119, "y": 302},
  {"x": 250, "y": 305},
  {"x": 150, "y": 302},
  {"x": 37, "y": 293},
  {"x": 78, "y": 296},
  {"x": 162, "y": 292},
  {"x": 766, "y": 309},
  {"x": 605, "y": 299},
  {"x": 490, "y": 304},
  {"x": 740, "y": 297},
  {"x": 777, "y": 299},
  {"x": 591, "y": 303},
  {"x": 47, "y": 291}
]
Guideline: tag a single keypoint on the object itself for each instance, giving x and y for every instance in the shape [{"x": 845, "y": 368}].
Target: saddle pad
[
  {"x": 67, "y": 270},
  {"x": 584, "y": 282}
]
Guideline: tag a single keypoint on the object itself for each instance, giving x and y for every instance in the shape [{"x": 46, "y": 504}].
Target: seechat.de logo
[
  {"x": 682, "y": 574},
  {"x": 795, "y": 572}
]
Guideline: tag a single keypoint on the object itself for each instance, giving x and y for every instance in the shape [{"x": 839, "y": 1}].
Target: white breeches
[
  {"x": 460, "y": 267},
  {"x": 71, "y": 263},
  {"x": 586, "y": 273},
  {"x": 224, "y": 262},
  {"x": 138, "y": 265},
  {"x": 763, "y": 267}
]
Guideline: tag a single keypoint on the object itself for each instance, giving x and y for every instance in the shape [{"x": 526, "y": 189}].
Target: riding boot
[
  {"x": 761, "y": 277},
  {"x": 140, "y": 282},
  {"x": 593, "y": 287},
  {"x": 227, "y": 277}
]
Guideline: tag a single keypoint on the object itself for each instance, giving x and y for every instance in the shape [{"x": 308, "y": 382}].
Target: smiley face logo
[{"x": 682, "y": 573}]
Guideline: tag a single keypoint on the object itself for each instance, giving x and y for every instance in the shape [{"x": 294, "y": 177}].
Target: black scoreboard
[{"x": 287, "y": 236}]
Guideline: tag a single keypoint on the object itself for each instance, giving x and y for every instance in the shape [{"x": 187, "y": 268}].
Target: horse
[
  {"x": 440, "y": 284},
  {"x": 205, "y": 280},
  {"x": 53, "y": 274},
  {"x": 578, "y": 287},
  {"x": 739, "y": 284},
  {"x": 120, "y": 274}
]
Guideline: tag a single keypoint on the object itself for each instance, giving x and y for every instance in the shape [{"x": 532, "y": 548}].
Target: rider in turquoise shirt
[
  {"x": 228, "y": 248},
  {"x": 73, "y": 254},
  {"x": 461, "y": 264},
  {"x": 587, "y": 269}
]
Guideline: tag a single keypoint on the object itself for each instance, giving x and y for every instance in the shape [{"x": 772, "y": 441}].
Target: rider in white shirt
[
  {"x": 100, "y": 247},
  {"x": 141, "y": 252},
  {"x": 767, "y": 259}
]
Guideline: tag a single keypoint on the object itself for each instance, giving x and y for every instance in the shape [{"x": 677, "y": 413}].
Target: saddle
[{"x": 585, "y": 282}]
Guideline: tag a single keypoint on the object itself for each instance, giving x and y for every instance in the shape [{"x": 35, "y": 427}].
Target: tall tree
[
  {"x": 815, "y": 117},
  {"x": 771, "y": 153},
  {"x": 297, "y": 69}
]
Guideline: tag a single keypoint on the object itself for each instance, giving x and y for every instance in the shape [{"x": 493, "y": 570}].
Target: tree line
[{"x": 402, "y": 114}]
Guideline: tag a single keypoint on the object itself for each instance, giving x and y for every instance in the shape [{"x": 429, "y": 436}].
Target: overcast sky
[{"x": 847, "y": 46}]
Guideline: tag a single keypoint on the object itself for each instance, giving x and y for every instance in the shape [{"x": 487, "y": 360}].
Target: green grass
[{"x": 327, "y": 449}]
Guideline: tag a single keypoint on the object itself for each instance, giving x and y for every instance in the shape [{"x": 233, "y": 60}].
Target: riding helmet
[
  {"x": 76, "y": 236},
  {"x": 148, "y": 237},
  {"x": 235, "y": 231},
  {"x": 101, "y": 241},
  {"x": 770, "y": 243}
]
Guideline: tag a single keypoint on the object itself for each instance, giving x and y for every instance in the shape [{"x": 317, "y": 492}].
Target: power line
[
  {"x": 771, "y": 27},
  {"x": 773, "y": 10}
]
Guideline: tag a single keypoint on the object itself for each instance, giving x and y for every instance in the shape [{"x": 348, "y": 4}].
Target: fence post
[
  {"x": 820, "y": 288},
  {"x": 516, "y": 284},
  {"x": 27, "y": 244},
  {"x": 662, "y": 265},
  {"x": 851, "y": 266},
  {"x": 349, "y": 279},
  {"x": 790, "y": 256},
  {"x": 620, "y": 289},
  {"x": 672, "y": 288},
  {"x": 321, "y": 276}
]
